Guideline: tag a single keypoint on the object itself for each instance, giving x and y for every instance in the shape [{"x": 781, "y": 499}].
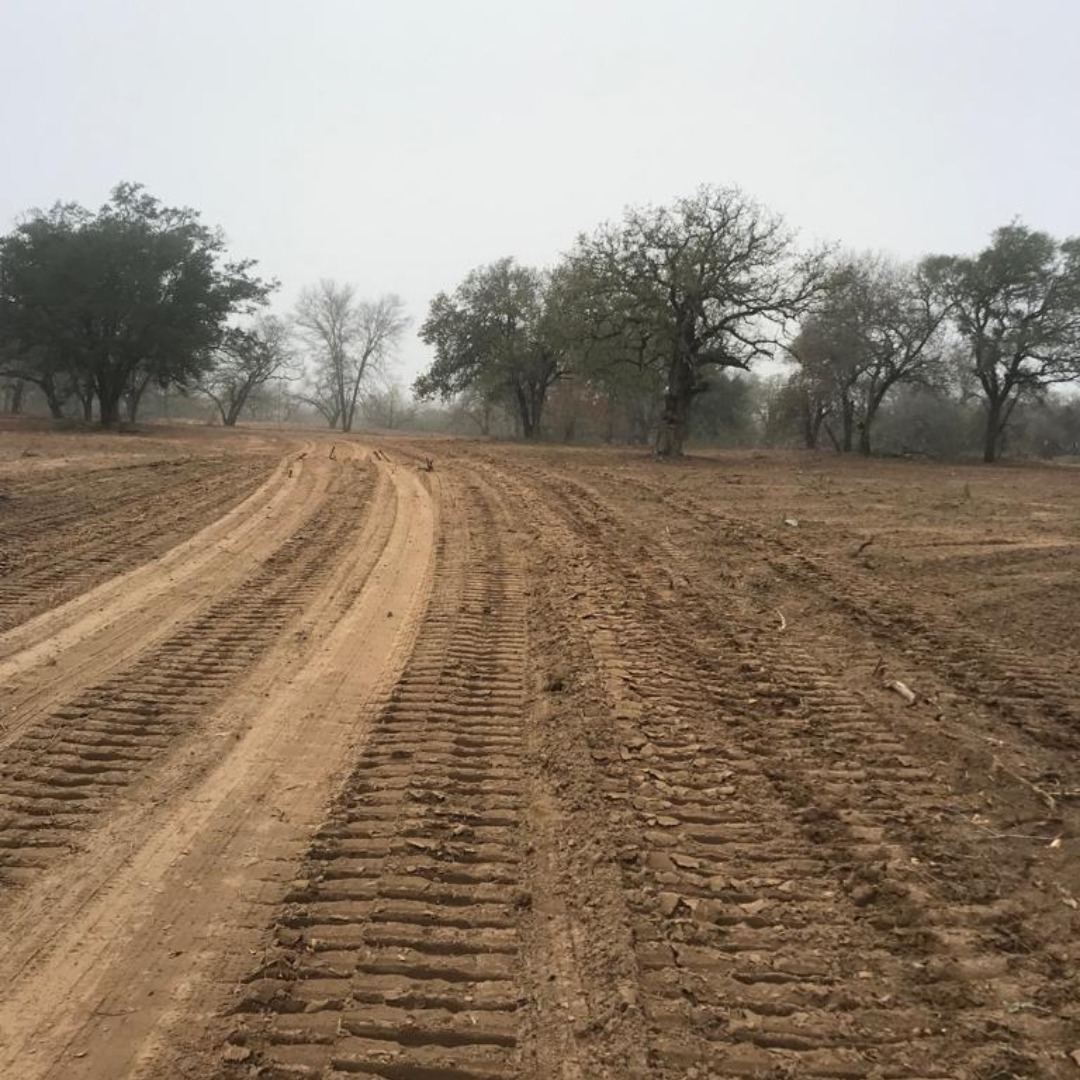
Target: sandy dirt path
[
  {"x": 100, "y": 950},
  {"x": 50, "y": 656}
]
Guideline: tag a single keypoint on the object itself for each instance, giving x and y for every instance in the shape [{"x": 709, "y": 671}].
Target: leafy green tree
[
  {"x": 705, "y": 283},
  {"x": 1016, "y": 305},
  {"x": 877, "y": 325},
  {"x": 135, "y": 292},
  {"x": 497, "y": 333},
  {"x": 244, "y": 361}
]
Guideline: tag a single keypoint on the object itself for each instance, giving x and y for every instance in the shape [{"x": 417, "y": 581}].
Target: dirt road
[{"x": 540, "y": 764}]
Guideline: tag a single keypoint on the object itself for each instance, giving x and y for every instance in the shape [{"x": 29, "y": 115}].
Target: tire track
[
  {"x": 398, "y": 952},
  {"x": 106, "y": 522},
  {"x": 70, "y": 765},
  {"x": 784, "y": 920},
  {"x": 1031, "y": 694}
]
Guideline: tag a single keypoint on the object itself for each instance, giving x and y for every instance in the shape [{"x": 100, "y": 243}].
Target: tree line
[
  {"x": 651, "y": 320},
  {"x": 648, "y": 313},
  {"x": 97, "y": 307}
]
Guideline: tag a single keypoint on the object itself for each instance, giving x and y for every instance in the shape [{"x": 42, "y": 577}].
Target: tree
[
  {"x": 496, "y": 334},
  {"x": 1016, "y": 306},
  {"x": 389, "y": 407},
  {"x": 705, "y": 283},
  {"x": 830, "y": 356},
  {"x": 136, "y": 292},
  {"x": 244, "y": 361},
  {"x": 877, "y": 325},
  {"x": 351, "y": 339}
]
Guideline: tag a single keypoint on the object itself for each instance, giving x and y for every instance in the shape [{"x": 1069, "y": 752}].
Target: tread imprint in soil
[
  {"x": 72, "y": 763},
  {"x": 397, "y": 954},
  {"x": 785, "y": 924},
  {"x": 78, "y": 531}
]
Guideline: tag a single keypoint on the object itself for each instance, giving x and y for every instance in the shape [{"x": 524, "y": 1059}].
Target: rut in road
[
  {"x": 398, "y": 952},
  {"x": 73, "y": 762},
  {"x": 786, "y": 915},
  {"x": 81, "y": 530}
]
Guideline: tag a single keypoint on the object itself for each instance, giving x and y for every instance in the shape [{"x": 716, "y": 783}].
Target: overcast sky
[{"x": 398, "y": 144}]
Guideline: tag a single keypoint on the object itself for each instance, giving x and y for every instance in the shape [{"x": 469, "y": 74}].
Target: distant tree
[
  {"x": 705, "y": 283},
  {"x": 388, "y": 407},
  {"x": 321, "y": 394},
  {"x": 36, "y": 366},
  {"x": 351, "y": 340},
  {"x": 830, "y": 360},
  {"x": 1016, "y": 306},
  {"x": 12, "y": 391},
  {"x": 496, "y": 334},
  {"x": 877, "y": 325},
  {"x": 135, "y": 292},
  {"x": 244, "y": 361}
]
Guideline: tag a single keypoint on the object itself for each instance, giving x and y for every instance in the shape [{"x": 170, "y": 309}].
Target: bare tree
[
  {"x": 351, "y": 339},
  {"x": 318, "y": 392},
  {"x": 901, "y": 321}
]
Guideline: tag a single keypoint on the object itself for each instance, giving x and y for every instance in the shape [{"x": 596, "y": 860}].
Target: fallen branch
[
  {"x": 903, "y": 690},
  {"x": 1014, "y": 836},
  {"x": 862, "y": 547},
  {"x": 783, "y": 621}
]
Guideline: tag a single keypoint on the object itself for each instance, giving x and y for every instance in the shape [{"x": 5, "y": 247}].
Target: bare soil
[{"x": 545, "y": 763}]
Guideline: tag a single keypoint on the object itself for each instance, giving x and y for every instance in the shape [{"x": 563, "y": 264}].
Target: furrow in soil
[
  {"x": 73, "y": 762},
  {"x": 787, "y": 918},
  {"x": 65, "y": 536},
  {"x": 398, "y": 951}
]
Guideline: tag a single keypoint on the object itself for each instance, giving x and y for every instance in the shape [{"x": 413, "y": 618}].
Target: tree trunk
[
  {"x": 675, "y": 419},
  {"x": 528, "y": 428},
  {"x": 848, "y": 419},
  {"x": 810, "y": 429},
  {"x": 52, "y": 398},
  {"x": 864, "y": 438},
  {"x": 236, "y": 406},
  {"x": 993, "y": 431},
  {"x": 17, "y": 389},
  {"x": 109, "y": 394},
  {"x": 131, "y": 404}
]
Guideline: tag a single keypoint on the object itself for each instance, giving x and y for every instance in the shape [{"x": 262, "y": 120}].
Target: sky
[{"x": 397, "y": 145}]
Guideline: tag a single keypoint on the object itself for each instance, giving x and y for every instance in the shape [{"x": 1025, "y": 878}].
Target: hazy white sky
[{"x": 397, "y": 145}]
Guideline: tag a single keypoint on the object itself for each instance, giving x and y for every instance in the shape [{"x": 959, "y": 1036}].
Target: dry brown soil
[{"x": 543, "y": 764}]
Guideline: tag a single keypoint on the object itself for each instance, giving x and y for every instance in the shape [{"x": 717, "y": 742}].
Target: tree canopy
[
  {"x": 105, "y": 302},
  {"x": 1016, "y": 307},
  {"x": 497, "y": 333},
  {"x": 876, "y": 324},
  {"x": 708, "y": 282}
]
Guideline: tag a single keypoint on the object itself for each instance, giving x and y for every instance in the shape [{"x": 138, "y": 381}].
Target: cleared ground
[{"x": 545, "y": 763}]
